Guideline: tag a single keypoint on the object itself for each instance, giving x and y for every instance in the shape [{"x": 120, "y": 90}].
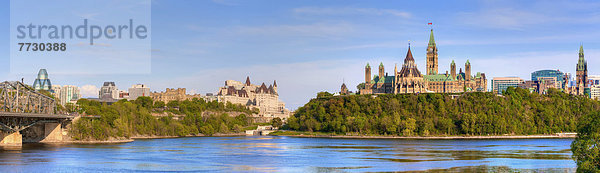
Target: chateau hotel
[{"x": 410, "y": 80}]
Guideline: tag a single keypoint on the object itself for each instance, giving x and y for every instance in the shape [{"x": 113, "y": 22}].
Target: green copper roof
[
  {"x": 581, "y": 63},
  {"x": 431, "y": 40},
  {"x": 381, "y": 64},
  {"x": 452, "y": 62},
  {"x": 468, "y": 62},
  {"x": 438, "y": 77},
  {"x": 368, "y": 65}
]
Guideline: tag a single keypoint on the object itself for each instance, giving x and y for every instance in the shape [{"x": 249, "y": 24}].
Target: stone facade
[
  {"x": 261, "y": 97},
  {"x": 410, "y": 80},
  {"x": 582, "y": 73}
]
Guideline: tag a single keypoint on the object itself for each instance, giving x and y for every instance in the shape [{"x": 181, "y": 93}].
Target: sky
[{"x": 313, "y": 46}]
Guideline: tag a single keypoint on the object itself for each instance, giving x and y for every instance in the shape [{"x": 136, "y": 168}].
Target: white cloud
[
  {"x": 351, "y": 11},
  {"x": 88, "y": 91}
]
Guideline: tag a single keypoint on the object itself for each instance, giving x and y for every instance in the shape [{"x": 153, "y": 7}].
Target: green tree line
[
  {"x": 134, "y": 118},
  {"x": 518, "y": 112}
]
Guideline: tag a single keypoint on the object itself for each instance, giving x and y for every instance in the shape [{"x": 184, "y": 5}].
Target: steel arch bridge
[{"x": 22, "y": 107}]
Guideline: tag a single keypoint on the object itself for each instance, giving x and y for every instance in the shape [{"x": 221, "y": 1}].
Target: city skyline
[{"x": 313, "y": 46}]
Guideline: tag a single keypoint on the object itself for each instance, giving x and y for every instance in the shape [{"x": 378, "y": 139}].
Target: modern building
[
  {"x": 138, "y": 90},
  {"x": 265, "y": 99},
  {"x": 108, "y": 91},
  {"x": 410, "y": 80},
  {"x": 593, "y": 80},
  {"x": 595, "y": 92},
  {"x": 66, "y": 94},
  {"x": 42, "y": 82},
  {"x": 558, "y": 76},
  {"x": 499, "y": 84}
]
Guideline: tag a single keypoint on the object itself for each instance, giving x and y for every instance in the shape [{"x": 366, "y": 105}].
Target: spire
[
  {"x": 381, "y": 64},
  {"x": 368, "y": 66},
  {"x": 452, "y": 62},
  {"x": 247, "y": 80},
  {"x": 466, "y": 62},
  {"x": 581, "y": 63},
  {"x": 431, "y": 40},
  {"x": 409, "y": 56},
  {"x": 274, "y": 83}
]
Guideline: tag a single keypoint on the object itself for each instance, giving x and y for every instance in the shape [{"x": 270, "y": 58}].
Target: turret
[
  {"x": 467, "y": 70},
  {"x": 381, "y": 70},
  {"x": 453, "y": 69},
  {"x": 367, "y": 74}
]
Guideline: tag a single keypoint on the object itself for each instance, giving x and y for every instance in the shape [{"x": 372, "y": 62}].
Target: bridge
[{"x": 28, "y": 115}]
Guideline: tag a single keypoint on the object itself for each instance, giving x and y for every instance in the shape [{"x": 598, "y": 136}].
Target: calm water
[{"x": 288, "y": 154}]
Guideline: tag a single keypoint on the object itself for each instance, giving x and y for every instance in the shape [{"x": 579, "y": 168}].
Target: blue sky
[{"x": 312, "y": 46}]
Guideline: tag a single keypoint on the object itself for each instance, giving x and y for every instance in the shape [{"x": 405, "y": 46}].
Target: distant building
[
  {"x": 66, "y": 94},
  {"x": 557, "y": 76},
  {"x": 42, "y": 82},
  {"x": 594, "y": 80},
  {"x": 499, "y": 84},
  {"x": 138, "y": 90},
  {"x": 344, "y": 89},
  {"x": 582, "y": 73},
  {"x": 123, "y": 94},
  {"x": 179, "y": 94},
  {"x": 108, "y": 91},
  {"x": 265, "y": 99},
  {"x": 410, "y": 80},
  {"x": 595, "y": 92}
]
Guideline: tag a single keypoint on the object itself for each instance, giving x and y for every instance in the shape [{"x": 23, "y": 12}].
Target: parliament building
[{"x": 410, "y": 80}]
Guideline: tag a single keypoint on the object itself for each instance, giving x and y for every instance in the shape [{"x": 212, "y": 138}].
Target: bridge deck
[{"x": 35, "y": 115}]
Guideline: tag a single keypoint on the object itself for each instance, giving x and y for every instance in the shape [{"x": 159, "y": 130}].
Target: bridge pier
[
  {"x": 52, "y": 132},
  {"x": 11, "y": 139}
]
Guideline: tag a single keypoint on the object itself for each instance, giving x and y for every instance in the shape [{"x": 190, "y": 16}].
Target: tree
[
  {"x": 276, "y": 122},
  {"x": 324, "y": 94},
  {"x": 586, "y": 147}
]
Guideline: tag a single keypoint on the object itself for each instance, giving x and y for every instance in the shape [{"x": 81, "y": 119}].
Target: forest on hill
[
  {"x": 517, "y": 112},
  {"x": 125, "y": 119}
]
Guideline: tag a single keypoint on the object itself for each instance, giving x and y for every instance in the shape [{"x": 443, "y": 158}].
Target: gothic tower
[
  {"x": 367, "y": 74},
  {"x": 467, "y": 71},
  {"x": 581, "y": 72},
  {"x": 381, "y": 70},
  {"x": 453, "y": 69},
  {"x": 432, "y": 56}
]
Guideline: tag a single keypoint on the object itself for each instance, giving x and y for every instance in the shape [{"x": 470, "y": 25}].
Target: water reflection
[{"x": 285, "y": 154}]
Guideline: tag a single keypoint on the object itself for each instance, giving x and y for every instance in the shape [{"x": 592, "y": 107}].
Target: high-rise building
[
  {"x": 108, "y": 91},
  {"x": 557, "y": 78},
  {"x": 499, "y": 84},
  {"x": 66, "y": 94},
  {"x": 582, "y": 73},
  {"x": 42, "y": 82},
  {"x": 138, "y": 90}
]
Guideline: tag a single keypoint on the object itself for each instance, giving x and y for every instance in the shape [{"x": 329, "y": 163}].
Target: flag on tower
[{"x": 429, "y": 23}]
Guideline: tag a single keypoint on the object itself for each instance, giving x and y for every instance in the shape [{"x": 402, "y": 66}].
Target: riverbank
[
  {"x": 322, "y": 135},
  {"x": 126, "y": 140}
]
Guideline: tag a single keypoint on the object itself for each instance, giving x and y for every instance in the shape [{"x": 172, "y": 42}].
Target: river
[{"x": 289, "y": 154}]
